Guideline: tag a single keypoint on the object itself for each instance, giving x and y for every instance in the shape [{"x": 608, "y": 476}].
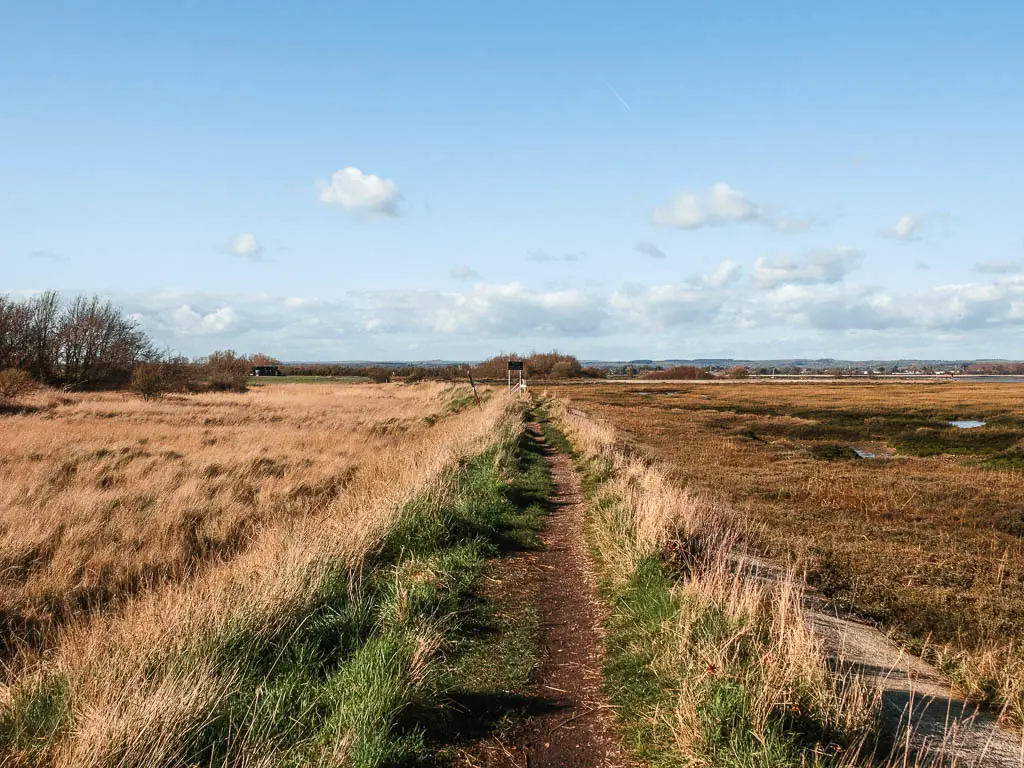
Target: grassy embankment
[
  {"x": 325, "y": 639},
  {"x": 708, "y": 665},
  {"x": 925, "y": 540}
]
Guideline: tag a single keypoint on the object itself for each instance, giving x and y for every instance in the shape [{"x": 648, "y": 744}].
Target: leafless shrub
[
  {"x": 226, "y": 371},
  {"x": 680, "y": 372}
]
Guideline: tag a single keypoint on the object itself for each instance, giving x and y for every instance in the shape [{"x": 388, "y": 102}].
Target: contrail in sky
[{"x": 622, "y": 101}]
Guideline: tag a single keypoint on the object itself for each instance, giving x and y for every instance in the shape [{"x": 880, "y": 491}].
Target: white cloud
[
  {"x": 716, "y": 314},
  {"x": 354, "y": 190},
  {"x": 831, "y": 307},
  {"x": 820, "y": 266},
  {"x": 662, "y": 307},
  {"x": 962, "y": 307},
  {"x": 189, "y": 322},
  {"x": 907, "y": 229},
  {"x": 722, "y": 204},
  {"x": 726, "y": 273},
  {"x": 907, "y": 226},
  {"x": 248, "y": 247},
  {"x": 488, "y": 310},
  {"x": 512, "y": 309},
  {"x": 462, "y": 272},
  {"x": 649, "y": 249},
  {"x": 999, "y": 267}
]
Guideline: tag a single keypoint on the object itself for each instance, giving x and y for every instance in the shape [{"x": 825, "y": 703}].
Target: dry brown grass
[
  {"x": 928, "y": 546},
  {"x": 106, "y": 494},
  {"x": 308, "y": 480}
]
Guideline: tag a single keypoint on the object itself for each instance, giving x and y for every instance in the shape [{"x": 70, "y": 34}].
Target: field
[
  {"x": 924, "y": 538},
  {"x": 351, "y": 574},
  {"x": 107, "y": 495},
  {"x": 254, "y": 579}
]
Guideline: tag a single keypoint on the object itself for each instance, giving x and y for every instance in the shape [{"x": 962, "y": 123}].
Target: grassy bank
[
  {"x": 707, "y": 664},
  {"x": 322, "y": 655},
  {"x": 925, "y": 540}
]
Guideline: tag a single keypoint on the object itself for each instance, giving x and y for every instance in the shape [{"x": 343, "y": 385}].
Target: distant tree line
[
  {"x": 549, "y": 365},
  {"x": 1003, "y": 368},
  {"x": 680, "y": 372},
  {"x": 546, "y": 366},
  {"x": 379, "y": 373}
]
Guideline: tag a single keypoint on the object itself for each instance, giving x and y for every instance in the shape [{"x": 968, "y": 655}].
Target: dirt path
[{"x": 575, "y": 727}]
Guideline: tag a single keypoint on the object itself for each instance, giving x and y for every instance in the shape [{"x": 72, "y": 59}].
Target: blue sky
[{"x": 330, "y": 180}]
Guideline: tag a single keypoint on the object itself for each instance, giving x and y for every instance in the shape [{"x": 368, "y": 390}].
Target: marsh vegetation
[{"x": 925, "y": 539}]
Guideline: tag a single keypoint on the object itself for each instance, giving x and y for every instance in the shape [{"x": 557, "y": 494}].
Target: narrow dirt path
[{"x": 575, "y": 727}]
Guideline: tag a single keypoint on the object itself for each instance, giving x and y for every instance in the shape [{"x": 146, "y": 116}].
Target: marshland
[{"x": 922, "y": 539}]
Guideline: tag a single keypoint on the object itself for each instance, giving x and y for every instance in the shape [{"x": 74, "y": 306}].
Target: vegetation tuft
[{"x": 833, "y": 452}]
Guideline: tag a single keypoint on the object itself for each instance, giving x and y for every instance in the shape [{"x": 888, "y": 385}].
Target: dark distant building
[{"x": 266, "y": 370}]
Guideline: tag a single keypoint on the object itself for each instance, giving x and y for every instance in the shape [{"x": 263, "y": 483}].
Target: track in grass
[{"x": 571, "y": 724}]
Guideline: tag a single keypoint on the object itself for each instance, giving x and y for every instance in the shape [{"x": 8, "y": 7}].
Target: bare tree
[
  {"x": 98, "y": 343},
  {"x": 14, "y": 333},
  {"x": 44, "y": 318},
  {"x": 87, "y": 341}
]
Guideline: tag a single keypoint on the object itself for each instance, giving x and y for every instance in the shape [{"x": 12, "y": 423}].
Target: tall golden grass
[
  {"x": 105, "y": 494},
  {"x": 769, "y": 646},
  {"x": 308, "y": 479}
]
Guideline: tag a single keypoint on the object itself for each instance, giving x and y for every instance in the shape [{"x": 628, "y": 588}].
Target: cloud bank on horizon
[
  {"x": 444, "y": 203},
  {"x": 713, "y": 316}
]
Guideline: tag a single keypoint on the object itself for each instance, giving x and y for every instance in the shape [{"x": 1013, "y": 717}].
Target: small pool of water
[
  {"x": 966, "y": 424},
  {"x": 864, "y": 454}
]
